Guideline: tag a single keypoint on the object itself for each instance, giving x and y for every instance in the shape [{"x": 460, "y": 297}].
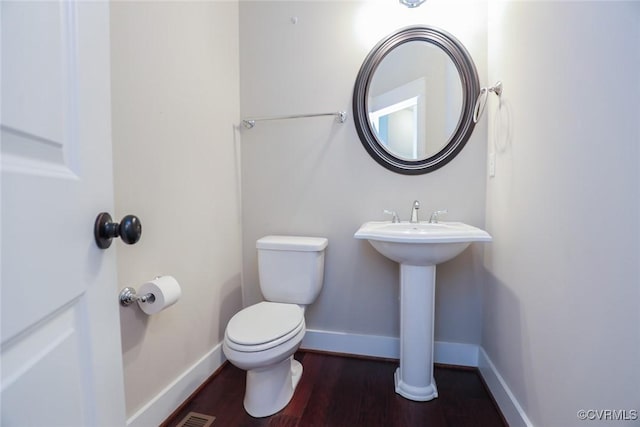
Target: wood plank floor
[{"x": 338, "y": 391}]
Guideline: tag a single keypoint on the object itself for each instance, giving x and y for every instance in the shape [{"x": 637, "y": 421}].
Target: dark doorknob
[{"x": 129, "y": 229}]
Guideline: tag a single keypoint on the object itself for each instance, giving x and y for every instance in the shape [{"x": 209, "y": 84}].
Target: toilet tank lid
[{"x": 292, "y": 243}]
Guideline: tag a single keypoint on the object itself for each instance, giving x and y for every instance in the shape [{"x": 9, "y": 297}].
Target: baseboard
[
  {"x": 162, "y": 405},
  {"x": 509, "y": 405},
  {"x": 385, "y": 347}
]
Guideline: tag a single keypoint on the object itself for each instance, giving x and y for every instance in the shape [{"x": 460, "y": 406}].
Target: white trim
[
  {"x": 387, "y": 347},
  {"x": 348, "y": 343},
  {"x": 509, "y": 405},
  {"x": 158, "y": 409}
]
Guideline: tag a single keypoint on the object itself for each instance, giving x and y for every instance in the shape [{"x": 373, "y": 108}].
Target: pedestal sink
[{"x": 418, "y": 247}]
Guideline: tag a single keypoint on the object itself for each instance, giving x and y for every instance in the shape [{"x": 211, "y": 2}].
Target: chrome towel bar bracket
[{"x": 481, "y": 102}]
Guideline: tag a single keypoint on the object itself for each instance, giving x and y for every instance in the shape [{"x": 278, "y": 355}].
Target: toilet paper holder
[{"x": 128, "y": 296}]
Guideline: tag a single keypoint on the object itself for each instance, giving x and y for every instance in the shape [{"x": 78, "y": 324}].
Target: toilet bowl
[{"x": 262, "y": 338}]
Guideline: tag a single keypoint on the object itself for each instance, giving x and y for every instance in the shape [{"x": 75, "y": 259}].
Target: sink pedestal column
[{"x": 414, "y": 378}]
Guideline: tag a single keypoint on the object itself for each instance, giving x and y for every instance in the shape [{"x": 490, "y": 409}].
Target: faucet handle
[
  {"x": 433, "y": 219},
  {"x": 394, "y": 215}
]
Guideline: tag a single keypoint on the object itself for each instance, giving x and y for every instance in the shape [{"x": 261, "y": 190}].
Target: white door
[{"x": 61, "y": 353}]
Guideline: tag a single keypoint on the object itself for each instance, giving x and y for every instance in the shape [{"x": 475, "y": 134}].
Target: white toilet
[{"x": 263, "y": 337}]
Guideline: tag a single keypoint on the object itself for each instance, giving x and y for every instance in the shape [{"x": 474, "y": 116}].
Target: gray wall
[
  {"x": 175, "y": 89},
  {"x": 313, "y": 177},
  {"x": 561, "y": 317}
]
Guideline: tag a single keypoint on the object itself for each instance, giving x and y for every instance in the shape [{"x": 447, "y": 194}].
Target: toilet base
[{"x": 270, "y": 389}]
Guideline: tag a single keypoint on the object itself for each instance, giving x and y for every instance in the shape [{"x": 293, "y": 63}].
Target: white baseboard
[
  {"x": 162, "y": 405},
  {"x": 387, "y": 347},
  {"x": 509, "y": 405},
  {"x": 347, "y": 343}
]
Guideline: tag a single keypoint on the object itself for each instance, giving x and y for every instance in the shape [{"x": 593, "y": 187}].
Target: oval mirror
[{"x": 413, "y": 100}]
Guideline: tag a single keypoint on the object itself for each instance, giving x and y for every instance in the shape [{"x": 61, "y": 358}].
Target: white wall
[
  {"x": 175, "y": 100},
  {"x": 313, "y": 177},
  {"x": 561, "y": 317}
]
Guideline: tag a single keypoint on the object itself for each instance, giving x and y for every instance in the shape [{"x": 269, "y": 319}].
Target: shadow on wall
[
  {"x": 133, "y": 326},
  {"x": 237, "y": 159},
  {"x": 134, "y": 323},
  {"x": 503, "y": 318},
  {"x": 458, "y": 288},
  {"x": 230, "y": 297},
  {"x": 501, "y": 141},
  {"x": 502, "y": 131}
]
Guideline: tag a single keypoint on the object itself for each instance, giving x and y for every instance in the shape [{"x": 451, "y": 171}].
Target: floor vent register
[{"x": 194, "y": 419}]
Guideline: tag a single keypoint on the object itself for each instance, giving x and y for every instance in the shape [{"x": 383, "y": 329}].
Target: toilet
[{"x": 262, "y": 338}]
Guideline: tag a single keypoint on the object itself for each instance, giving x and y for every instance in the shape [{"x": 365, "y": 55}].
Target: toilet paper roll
[{"x": 166, "y": 291}]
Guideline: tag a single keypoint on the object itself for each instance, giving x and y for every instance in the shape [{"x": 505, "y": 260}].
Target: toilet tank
[{"x": 291, "y": 268}]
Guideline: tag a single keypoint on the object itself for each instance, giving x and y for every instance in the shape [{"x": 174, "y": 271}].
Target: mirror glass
[{"x": 413, "y": 100}]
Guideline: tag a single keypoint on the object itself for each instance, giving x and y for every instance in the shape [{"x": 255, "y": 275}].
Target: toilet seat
[{"x": 263, "y": 326}]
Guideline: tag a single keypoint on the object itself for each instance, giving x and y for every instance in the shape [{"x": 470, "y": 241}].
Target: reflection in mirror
[
  {"x": 417, "y": 92},
  {"x": 396, "y": 126},
  {"x": 413, "y": 100}
]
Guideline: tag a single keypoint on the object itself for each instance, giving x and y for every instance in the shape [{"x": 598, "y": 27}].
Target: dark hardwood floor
[{"x": 338, "y": 391}]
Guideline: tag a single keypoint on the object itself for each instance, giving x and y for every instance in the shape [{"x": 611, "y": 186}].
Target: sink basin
[
  {"x": 420, "y": 243},
  {"x": 418, "y": 247}
]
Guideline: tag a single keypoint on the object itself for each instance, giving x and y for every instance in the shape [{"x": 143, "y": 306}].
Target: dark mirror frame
[{"x": 470, "y": 89}]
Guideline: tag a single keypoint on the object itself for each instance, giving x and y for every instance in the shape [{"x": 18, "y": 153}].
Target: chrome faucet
[
  {"x": 433, "y": 219},
  {"x": 414, "y": 212}
]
